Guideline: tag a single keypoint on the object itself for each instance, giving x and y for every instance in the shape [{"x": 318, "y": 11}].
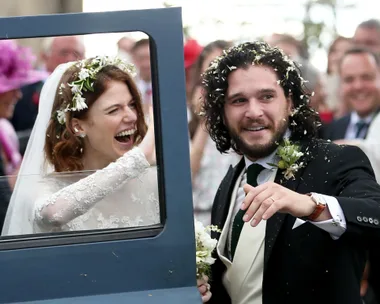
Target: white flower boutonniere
[
  {"x": 205, "y": 245},
  {"x": 289, "y": 154}
]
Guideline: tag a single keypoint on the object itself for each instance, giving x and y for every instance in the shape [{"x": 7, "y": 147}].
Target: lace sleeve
[{"x": 76, "y": 199}]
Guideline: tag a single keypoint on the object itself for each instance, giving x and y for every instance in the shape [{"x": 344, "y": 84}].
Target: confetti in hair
[{"x": 215, "y": 84}]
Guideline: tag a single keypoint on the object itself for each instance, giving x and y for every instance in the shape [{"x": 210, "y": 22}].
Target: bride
[{"x": 90, "y": 120}]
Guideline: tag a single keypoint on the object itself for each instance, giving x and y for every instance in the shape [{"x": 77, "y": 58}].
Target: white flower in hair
[
  {"x": 75, "y": 89},
  {"x": 80, "y": 103},
  {"x": 86, "y": 79},
  {"x": 102, "y": 61},
  {"x": 61, "y": 117},
  {"x": 83, "y": 74}
]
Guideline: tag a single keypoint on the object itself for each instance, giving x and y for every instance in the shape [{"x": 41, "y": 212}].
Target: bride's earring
[{"x": 82, "y": 135}]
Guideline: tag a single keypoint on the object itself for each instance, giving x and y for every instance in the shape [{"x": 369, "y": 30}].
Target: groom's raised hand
[{"x": 265, "y": 200}]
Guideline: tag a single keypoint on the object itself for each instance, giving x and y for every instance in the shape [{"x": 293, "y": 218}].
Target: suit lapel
[
  {"x": 274, "y": 224},
  {"x": 223, "y": 200},
  {"x": 343, "y": 127}
]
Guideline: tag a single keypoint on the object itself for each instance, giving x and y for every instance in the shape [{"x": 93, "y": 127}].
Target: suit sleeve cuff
[{"x": 337, "y": 225}]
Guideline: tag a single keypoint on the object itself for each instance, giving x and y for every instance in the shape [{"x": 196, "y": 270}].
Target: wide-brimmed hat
[
  {"x": 192, "y": 49},
  {"x": 16, "y": 67}
]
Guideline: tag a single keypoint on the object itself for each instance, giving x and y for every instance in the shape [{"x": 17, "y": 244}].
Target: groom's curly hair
[
  {"x": 303, "y": 122},
  {"x": 63, "y": 148}
]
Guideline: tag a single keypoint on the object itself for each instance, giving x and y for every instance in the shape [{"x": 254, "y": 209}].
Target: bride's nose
[{"x": 129, "y": 115}]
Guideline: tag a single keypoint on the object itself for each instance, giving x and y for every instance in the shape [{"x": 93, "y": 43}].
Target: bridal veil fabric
[{"x": 20, "y": 217}]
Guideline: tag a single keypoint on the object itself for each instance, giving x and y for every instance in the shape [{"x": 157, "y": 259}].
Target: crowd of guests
[{"x": 346, "y": 97}]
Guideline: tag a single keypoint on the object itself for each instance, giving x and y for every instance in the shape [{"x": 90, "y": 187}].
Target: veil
[{"x": 20, "y": 216}]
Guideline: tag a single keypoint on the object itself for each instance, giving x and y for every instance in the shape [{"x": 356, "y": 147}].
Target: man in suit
[
  {"x": 55, "y": 51},
  {"x": 367, "y": 34},
  {"x": 141, "y": 58},
  {"x": 297, "y": 214},
  {"x": 360, "y": 81}
]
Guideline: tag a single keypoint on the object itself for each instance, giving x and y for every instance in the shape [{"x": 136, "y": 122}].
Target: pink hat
[
  {"x": 192, "y": 50},
  {"x": 16, "y": 68}
]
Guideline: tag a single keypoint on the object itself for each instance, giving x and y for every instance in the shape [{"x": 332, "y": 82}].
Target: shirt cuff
[{"x": 335, "y": 226}]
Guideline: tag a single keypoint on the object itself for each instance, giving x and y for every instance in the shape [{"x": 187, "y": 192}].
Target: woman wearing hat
[{"x": 15, "y": 71}]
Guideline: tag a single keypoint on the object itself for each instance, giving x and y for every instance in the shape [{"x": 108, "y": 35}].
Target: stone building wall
[{"x": 9, "y": 8}]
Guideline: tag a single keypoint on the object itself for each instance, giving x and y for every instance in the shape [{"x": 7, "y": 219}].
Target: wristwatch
[{"x": 320, "y": 205}]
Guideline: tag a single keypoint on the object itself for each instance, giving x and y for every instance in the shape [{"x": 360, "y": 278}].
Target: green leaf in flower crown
[{"x": 88, "y": 84}]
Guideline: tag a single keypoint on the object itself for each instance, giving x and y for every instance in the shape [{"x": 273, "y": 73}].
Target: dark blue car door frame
[{"x": 155, "y": 265}]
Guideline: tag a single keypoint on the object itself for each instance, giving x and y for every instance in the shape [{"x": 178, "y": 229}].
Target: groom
[{"x": 297, "y": 214}]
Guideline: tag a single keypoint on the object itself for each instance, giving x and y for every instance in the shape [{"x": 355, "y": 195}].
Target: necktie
[
  {"x": 360, "y": 127},
  {"x": 253, "y": 172}
]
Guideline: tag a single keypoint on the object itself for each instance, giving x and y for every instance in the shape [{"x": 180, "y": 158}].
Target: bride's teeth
[{"x": 126, "y": 132}]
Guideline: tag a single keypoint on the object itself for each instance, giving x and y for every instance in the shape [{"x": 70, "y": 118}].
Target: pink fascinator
[{"x": 16, "y": 67}]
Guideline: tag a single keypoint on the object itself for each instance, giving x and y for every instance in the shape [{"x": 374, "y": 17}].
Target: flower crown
[{"x": 86, "y": 78}]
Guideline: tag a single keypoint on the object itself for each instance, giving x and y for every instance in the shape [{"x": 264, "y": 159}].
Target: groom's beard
[{"x": 257, "y": 151}]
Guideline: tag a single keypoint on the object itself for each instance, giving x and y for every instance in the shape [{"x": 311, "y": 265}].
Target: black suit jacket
[
  {"x": 337, "y": 129},
  {"x": 25, "y": 113},
  {"x": 306, "y": 265},
  {"x": 26, "y": 109}
]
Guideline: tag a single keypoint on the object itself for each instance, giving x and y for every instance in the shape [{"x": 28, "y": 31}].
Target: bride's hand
[
  {"x": 204, "y": 289},
  {"x": 148, "y": 143}
]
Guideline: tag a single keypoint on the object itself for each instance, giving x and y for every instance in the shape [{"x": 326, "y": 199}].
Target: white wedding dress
[{"x": 123, "y": 194}]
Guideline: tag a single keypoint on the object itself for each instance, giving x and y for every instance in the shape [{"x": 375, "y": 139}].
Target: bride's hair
[{"x": 63, "y": 149}]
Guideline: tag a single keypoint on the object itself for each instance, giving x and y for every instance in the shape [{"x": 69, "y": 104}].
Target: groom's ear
[{"x": 76, "y": 126}]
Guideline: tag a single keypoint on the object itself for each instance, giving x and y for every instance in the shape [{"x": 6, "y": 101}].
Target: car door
[{"x": 154, "y": 264}]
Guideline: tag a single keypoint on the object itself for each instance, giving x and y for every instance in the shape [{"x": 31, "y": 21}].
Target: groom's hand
[
  {"x": 263, "y": 201},
  {"x": 204, "y": 289}
]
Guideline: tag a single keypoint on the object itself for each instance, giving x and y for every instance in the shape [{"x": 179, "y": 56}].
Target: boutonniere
[{"x": 289, "y": 154}]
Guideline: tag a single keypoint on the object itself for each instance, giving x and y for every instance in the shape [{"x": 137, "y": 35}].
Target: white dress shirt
[{"x": 335, "y": 226}]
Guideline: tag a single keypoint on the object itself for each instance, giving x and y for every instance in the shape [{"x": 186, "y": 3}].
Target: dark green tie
[{"x": 253, "y": 172}]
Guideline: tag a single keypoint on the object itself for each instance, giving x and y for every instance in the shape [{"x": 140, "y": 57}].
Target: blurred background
[{"x": 315, "y": 22}]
